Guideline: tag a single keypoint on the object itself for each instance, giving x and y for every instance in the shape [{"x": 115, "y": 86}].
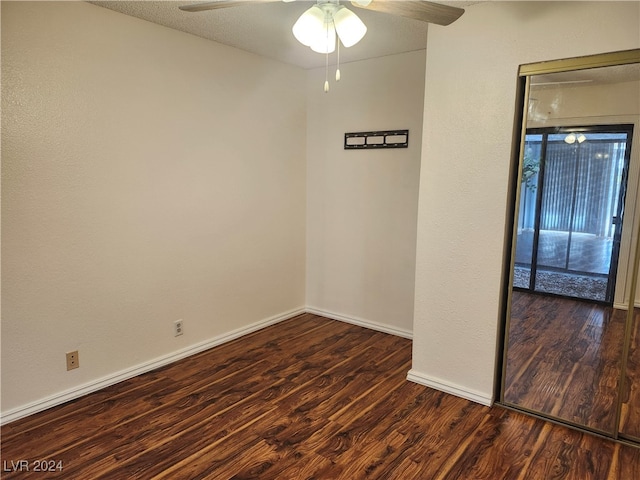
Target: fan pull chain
[
  {"x": 338, "y": 62},
  {"x": 326, "y": 74},
  {"x": 326, "y": 61}
]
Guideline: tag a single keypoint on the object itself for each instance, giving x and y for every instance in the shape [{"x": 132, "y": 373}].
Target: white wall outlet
[{"x": 178, "y": 328}]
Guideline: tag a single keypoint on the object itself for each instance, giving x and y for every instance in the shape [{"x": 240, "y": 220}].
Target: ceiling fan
[
  {"x": 417, "y": 9},
  {"x": 328, "y": 23}
]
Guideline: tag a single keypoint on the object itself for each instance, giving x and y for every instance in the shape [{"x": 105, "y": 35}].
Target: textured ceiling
[{"x": 265, "y": 29}]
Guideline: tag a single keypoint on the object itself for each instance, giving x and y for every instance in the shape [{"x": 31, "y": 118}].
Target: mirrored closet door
[{"x": 571, "y": 347}]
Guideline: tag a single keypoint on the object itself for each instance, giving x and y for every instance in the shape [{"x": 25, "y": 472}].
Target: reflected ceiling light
[
  {"x": 318, "y": 27},
  {"x": 573, "y": 138}
]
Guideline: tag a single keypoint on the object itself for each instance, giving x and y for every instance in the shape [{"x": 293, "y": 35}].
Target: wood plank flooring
[
  {"x": 630, "y": 415},
  {"x": 309, "y": 398},
  {"x": 564, "y": 359}
]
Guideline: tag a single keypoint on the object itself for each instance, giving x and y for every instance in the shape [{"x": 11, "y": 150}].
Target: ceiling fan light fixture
[
  {"x": 326, "y": 42},
  {"x": 573, "y": 138},
  {"x": 310, "y": 26},
  {"x": 570, "y": 139},
  {"x": 349, "y": 26}
]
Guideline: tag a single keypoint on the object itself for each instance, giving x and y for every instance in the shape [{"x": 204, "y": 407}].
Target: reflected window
[{"x": 570, "y": 216}]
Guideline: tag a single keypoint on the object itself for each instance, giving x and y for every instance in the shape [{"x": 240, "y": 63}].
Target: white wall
[
  {"x": 147, "y": 176},
  {"x": 468, "y": 120},
  {"x": 362, "y": 205},
  {"x": 562, "y": 104}
]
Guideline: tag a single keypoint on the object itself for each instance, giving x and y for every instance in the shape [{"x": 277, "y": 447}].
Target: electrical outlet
[
  {"x": 73, "y": 360},
  {"x": 178, "y": 328}
]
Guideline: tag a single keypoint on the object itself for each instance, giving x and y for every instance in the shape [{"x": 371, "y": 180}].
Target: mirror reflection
[
  {"x": 573, "y": 252},
  {"x": 630, "y": 412}
]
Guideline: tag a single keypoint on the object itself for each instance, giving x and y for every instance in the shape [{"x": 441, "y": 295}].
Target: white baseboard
[
  {"x": 625, "y": 306},
  {"x": 112, "y": 379},
  {"x": 117, "y": 377},
  {"x": 457, "y": 390},
  {"x": 621, "y": 306},
  {"x": 380, "y": 327}
]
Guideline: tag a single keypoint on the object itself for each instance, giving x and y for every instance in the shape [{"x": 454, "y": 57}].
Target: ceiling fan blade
[
  {"x": 416, "y": 9},
  {"x": 199, "y": 7}
]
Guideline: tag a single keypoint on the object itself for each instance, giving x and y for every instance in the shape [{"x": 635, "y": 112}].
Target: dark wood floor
[
  {"x": 630, "y": 417},
  {"x": 564, "y": 359},
  {"x": 309, "y": 398}
]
